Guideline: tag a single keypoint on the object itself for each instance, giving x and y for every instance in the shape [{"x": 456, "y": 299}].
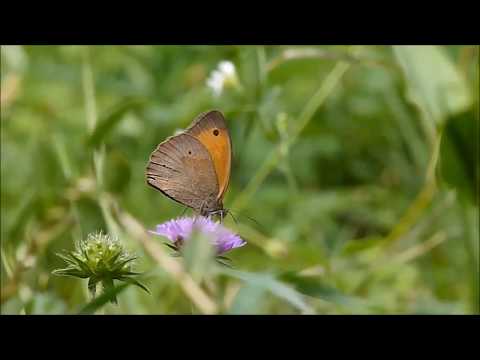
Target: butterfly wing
[
  {"x": 211, "y": 130},
  {"x": 182, "y": 169}
]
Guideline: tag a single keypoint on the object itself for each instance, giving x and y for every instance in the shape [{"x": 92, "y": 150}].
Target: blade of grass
[
  {"x": 99, "y": 152},
  {"x": 273, "y": 285},
  {"x": 110, "y": 120},
  {"x": 422, "y": 200},
  {"x": 273, "y": 158}
]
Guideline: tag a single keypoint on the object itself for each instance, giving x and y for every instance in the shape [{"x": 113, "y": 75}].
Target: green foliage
[
  {"x": 433, "y": 81},
  {"x": 97, "y": 303},
  {"x": 198, "y": 254},
  {"x": 334, "y": 152},
  {"x": 459, "y": 163}
]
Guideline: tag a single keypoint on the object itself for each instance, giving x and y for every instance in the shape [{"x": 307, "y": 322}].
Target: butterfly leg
[
  {"x": 202, "y": 209},
  {"x": 184, "y": 211}
]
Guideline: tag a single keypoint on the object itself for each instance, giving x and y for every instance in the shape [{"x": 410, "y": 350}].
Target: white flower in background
[
  {"x": 223, "y": 77},
  {"x": 227, "y": 68}
]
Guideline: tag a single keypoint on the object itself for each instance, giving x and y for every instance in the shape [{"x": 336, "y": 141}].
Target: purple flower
[{"x": 180, "y": 230}]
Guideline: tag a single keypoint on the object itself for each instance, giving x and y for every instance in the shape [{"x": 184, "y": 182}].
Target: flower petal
[{"x": 181, "y": 228}]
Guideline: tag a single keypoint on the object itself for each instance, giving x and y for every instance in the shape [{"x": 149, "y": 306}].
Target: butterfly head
[
  {"x": 219, "y": 213},
  {"x": 212, "y": 206}
]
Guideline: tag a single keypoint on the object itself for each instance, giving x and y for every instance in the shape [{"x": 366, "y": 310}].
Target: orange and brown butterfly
[{"x": 193, "y": 167}]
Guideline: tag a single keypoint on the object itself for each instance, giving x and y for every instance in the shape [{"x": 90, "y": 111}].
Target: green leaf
[
  {"x": 119, "y": 266},
  {"x": 117, "y": 172},
  {"x": 21, "y": 214},
  {"x": 458, "y": 166},
  {"x": 133, "y": 282},
  {"x": 70, "y": 272},
  {"x": 83, "y": 265},
  {"x": 108, "y": 122},
  {"x": 68, "y": 259},
  {"x": 114, "y": 258},
  {"x": 277, "y": 288},
  {"x": 223, "y": 260},
  {"x": 248, "y": 301},
  {"x": 314, "y": 287},
  {"x": 198, "y": 254},
  {"x": 128, "y": 273},
  {"x": 107, "y": 296},
  {"x": 433, "y": 82},
  {"x": 224, "y": 263},
  {"x": 359, "y": 245}
]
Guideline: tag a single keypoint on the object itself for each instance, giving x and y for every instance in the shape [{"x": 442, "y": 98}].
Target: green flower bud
[{"x": 102, "y": 259}]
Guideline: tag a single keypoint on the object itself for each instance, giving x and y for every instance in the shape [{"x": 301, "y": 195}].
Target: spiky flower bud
[{"x": 102, "y": 259}]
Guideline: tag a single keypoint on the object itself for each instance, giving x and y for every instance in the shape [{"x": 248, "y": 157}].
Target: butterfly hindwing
[{"x": 182, "y": 168}]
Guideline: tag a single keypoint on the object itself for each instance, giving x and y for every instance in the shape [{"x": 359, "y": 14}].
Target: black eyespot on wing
[
  {"x": 215, "y": 132},
  {"x": 189, "y": 152}
]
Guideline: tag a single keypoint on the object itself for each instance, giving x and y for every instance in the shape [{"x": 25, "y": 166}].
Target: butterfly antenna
[
  {"x": 233, "y": 217},
  {"x": 259, "y": 226}
]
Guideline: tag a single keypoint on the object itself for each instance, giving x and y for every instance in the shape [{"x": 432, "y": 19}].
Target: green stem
[
  {"x": 422, "y": 200},
  {"x": 274, "y": 157},
  {"x": 471, "y": 243},
  {"x": 98, "y": 153}
]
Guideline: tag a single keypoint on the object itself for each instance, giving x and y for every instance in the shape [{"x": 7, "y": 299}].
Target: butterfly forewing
[{"x": 211, "y": 130}]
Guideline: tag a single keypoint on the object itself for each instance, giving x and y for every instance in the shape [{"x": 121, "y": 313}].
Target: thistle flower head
[
  {"x": 101, "y": 258},
  {"x": 180, "y": 230}
]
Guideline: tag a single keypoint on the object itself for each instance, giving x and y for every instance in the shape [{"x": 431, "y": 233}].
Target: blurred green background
[{"x": 359, "y": 165}]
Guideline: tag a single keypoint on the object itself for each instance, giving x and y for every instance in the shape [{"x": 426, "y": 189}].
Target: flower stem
[{"x": 98, "y": 153}]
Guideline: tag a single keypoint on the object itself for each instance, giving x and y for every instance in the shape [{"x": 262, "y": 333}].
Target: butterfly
[{"x": 193, "y": 167}]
